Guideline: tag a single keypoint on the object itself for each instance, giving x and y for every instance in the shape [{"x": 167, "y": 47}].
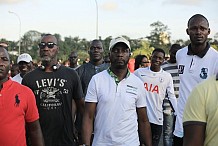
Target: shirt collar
[
  {"x": 7, "y": 83},
  {"x": 115, "y": 76},
  {"x": 200, "y": 54}
]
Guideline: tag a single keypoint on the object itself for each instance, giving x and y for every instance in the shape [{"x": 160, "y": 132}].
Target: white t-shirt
[
  {"x": 157, "y": 84},
  {"x": 192, "y": 70},
  {"x": 17, "y": 78},
  {"x": 116, "y": 117}
]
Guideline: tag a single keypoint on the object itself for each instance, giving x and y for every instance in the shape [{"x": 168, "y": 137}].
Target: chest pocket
[{"x": 129, "y": 99}]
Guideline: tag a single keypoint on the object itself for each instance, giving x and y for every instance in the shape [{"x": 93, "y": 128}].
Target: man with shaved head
[
  {"x": 17, "y": 109},
  {"x": 196, "y": 62}
]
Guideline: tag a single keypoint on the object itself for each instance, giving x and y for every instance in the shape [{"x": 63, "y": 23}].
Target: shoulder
[
  {"x": 212, "y": 52},
  {"x": 21, "y": 88},
  {"x": 135, "y": 78},
  {"x": 165, "y": 73},
  {"x": 182, "y": 51},
  {"x": 33, "y": 72},
  {"x": 102, "y": 74},
  {"x": 105, "y": 65},
  {"x": 141, "y": 70},
  {"x": 82, "y": 67},
  {"x": 67, "y": 69}
]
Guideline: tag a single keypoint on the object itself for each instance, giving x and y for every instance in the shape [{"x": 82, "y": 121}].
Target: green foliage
[
  {"x": 159, "y": 36},
  {"x": 215, "y": 46},
  {"x": 82, "y": 56},
  {"x": 144, "y": 49}
]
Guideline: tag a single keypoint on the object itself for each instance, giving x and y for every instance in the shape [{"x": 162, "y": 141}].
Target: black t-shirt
[{"x": 54, "y": 92}]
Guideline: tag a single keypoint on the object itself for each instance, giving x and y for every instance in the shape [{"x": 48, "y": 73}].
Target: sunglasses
[{"x": 50, "y": 45}]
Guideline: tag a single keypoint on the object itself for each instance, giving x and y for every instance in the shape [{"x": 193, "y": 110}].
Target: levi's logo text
[
  {"x": 181, "y": 69},
  {"x": 50, "y": 92},
  {"x": 151, "y": 88}
]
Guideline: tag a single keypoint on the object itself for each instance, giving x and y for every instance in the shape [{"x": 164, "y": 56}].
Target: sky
[{"x": 78, "y": 18}]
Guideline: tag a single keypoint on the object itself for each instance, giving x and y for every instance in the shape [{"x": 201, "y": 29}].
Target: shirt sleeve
[
  {"x": 141, "y": 102},
  {"x": 91, "y": 95},
  {"x": 31, "y": 114},
  {"x": 78, "y": 92},
  {"x": 171, "y": 94}
]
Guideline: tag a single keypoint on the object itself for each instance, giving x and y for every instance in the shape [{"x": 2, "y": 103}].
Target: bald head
[
  {"x": 197, "y": 16},
  {"x": 4, "y": 64},
  {"x": 4, "y": 51},
  {"x": 50, "y": 36}
]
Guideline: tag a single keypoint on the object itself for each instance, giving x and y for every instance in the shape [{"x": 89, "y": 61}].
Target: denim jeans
[
  {"x": 156, "y": 131},
  {"x": 168, "y": 124},
  {"x": 168, "y": 128}
]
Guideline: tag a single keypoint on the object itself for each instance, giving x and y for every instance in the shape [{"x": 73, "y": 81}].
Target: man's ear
[{"x": 187, "y": 31}]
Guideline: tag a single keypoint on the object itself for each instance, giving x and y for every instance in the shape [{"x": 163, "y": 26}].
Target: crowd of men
[{"x": 102, "y": 103}]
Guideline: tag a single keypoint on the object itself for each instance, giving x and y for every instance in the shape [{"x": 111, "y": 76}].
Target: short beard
[{"x": 45, "y": 60}]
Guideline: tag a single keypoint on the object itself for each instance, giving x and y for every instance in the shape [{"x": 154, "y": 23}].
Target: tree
[
  {"x": 144, "y": 49},
  {"x": 29, "y": 43},
  {"x": 159, "y": 36}
]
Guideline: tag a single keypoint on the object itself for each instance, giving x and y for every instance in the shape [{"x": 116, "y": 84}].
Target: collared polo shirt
[
  {"x": 116, "y": 117},
  {"x": 17, "y": 106}
]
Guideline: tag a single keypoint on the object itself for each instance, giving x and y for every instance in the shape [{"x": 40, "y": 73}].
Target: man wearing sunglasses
[
  {"x": 17, "y": 109},
  {"x": 57, "y": 89},
  {"x": 73, "y": 58}
]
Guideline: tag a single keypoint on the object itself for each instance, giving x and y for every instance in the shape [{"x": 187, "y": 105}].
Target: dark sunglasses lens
[
  {"x": 50, "y": 45},
  {"x": 42, "y": 45}
]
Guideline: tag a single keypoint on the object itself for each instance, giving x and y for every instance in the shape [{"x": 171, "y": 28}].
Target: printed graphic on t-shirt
[
  {"x": 181, "y": 69},
  {"x": 204, "y": 73},
  {"x": 151, "y": 88},
  {"x": 132, "y": 90},
  {"x": 50, "y": 92}
]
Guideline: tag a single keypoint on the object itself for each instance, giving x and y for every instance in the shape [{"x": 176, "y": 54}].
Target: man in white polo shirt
[
  {"x": 25, "y": 65},
  {"x": 196, "y": 62},
  {"x": 116, "y": 102}
]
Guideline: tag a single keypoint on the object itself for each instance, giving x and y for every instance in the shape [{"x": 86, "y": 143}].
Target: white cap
[
  {"x": 119, "y": 39},
  {"x": 24, "y": 57}
]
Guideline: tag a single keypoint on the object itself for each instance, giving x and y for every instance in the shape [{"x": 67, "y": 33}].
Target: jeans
[
  {"x": 168, "y": 123},
  {"x": 168, "y": 128},
  {"x": 156, "y": 133}
]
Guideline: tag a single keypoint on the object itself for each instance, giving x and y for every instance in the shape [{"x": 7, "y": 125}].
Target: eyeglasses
[{"x": 50, "y": 45}]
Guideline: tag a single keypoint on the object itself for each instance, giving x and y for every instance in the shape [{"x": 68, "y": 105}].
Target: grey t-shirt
[{"x": 87, "y": 70}]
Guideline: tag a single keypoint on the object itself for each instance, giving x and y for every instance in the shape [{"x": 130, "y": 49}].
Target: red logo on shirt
[{"x": 151, "y": 88}]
